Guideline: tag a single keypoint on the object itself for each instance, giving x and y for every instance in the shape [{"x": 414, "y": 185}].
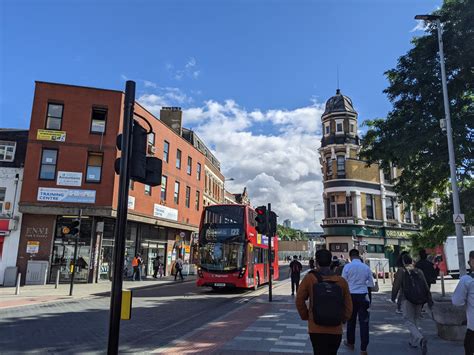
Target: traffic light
[
  {"x": 146, "y": 170},
  {"x": 272, "y": 220},
  {"x": 261, "y": 219},
  {"x": 71, "y": 229}
]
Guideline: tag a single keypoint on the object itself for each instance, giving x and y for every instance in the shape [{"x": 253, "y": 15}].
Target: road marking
[
  {"x": 295, "y": 337},
  {"x": 248, "y": 338},
  {"x": 282, "y": 350},
  {"x": 275, "y": 331},
  {"x": 290, "y": 343}
]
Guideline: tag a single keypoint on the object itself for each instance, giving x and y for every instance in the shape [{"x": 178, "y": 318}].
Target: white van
[{"x": 451, "y": 253}]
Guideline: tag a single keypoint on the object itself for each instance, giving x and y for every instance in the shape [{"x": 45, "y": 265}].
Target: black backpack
[
  {"x": 414, "y": 287},
  {"x": 328, "y": 302}
]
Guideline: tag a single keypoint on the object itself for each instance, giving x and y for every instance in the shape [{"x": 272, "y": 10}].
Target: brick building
[
  {"x": 70, "y": 167},
  {"x": 361, "y": 208}
]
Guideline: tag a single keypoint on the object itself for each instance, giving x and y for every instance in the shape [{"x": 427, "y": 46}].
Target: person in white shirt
[
  {"x": 359, "y": 277},
  {"x": 464, "y": 295}
]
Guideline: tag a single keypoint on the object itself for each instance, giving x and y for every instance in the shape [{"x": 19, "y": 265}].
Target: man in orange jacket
[{"x": 324, "y": 338}]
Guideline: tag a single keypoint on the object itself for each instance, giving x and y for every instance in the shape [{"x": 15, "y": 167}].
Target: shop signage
[
  {"x": 187, "y": 248},
  {"x": 69, "y": 178},
  {"x": 66, "y": 195},
  {"x": 32, "y": 247},
  {"x": 390, "y": 233},
  {"x": 131, "y": 202},
  {"x": 165, "y": 212},
  {"x": 47, "y": 135},
  {"x": 37, "y": 232}
]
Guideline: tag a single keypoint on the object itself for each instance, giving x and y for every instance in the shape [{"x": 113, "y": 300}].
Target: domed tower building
[{"x": 360, "y": 205}]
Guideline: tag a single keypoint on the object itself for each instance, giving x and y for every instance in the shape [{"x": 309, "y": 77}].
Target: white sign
[
  {"x": 131, "y": 202},
  {"x": 165, "y": 212},
  {"x": 458, "y": 218},
  {"x": 65, "y": 195},
  {"x": 363, "y": 243},
  {"x": 69, "y": 178},
  {"x": 32, "y": 247}
]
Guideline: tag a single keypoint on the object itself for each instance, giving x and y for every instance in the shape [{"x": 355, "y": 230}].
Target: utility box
[
  {"x": 9, "y": 277},
  {"x": 36, "y": 272}
]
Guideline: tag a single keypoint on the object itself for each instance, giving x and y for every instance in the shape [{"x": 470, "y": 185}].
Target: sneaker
[
  {"x": 398, "y": 311},
  {"x": 350, "y": 346},
  {"x": 424, "y": 346}
]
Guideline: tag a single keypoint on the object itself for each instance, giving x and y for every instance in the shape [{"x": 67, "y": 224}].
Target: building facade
[
  {"x": 69, "y": 169},
  {"x": 12, "y": 158},
  {"x": 360, "y": 205}
]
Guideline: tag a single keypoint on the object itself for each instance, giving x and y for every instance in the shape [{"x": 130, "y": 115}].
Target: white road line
[
  {"x": 283, "y": 350},
  {"x": 248, "y": 338},
  {"x": 290, "y": 343},
  {"x": 274, "y": 331}
]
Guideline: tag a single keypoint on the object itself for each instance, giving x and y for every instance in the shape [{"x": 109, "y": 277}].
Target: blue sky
[{"x": 267, "y": 57}]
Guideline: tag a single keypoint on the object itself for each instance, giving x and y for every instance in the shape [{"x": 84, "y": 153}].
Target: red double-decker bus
[{"x": 231, "y": 252}]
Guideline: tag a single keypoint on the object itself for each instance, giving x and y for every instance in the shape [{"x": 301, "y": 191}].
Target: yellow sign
[
  {"x": 47, "y": 135},
  {"x": 187, "y": 248},
  {"x": 259, "y": 238}
]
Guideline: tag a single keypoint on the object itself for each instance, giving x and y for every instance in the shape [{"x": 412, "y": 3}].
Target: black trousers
[
  {"x": 360, "y": 309},
  {"x": 325, "y": 344},
  {"x": 295, "y": 282},
  {"x": 469, "y": 342}
]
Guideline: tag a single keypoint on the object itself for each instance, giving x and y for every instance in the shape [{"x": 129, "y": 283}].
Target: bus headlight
[
  {"x": 200, "y": 274},
  {"x": 242, "y": 272}
]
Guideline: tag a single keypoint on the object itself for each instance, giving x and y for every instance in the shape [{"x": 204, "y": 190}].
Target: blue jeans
[{"x": 360, "y": 308}]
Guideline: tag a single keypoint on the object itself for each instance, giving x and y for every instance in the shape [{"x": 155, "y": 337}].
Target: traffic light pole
[
  {"x": 270, "y": 261},
  {"x": 121, "y": 222},
  {"x": 74, "y": 260}
]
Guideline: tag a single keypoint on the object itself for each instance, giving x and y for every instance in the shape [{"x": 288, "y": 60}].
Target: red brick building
[{"x": 70, "y": 167}]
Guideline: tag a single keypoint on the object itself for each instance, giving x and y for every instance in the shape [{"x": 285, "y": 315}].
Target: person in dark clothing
[
  {"x": 156, "y": 267},
  {"x": 311, "y": 263},
  {"x": 427, "y": 267},
  {"x": 295, "y": 272},
  {"x": 399, "y": 274}
]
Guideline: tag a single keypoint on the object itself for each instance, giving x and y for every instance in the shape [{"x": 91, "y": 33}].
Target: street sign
[
  {"x": 458, "y": 218},
  {"x": 363, "y": 243}
]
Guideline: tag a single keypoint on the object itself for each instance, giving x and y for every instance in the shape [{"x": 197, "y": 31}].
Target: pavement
[
  {"x": 39, "y": 294},
  {"x": 260, "y": 327}
]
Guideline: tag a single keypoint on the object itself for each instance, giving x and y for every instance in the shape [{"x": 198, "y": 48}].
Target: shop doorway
[{"x": 150, "y": 250}]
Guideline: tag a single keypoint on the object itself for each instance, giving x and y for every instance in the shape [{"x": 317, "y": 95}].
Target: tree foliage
[
  {"x": 289, "y": 233},
  {"x": 410, "y": 136}
]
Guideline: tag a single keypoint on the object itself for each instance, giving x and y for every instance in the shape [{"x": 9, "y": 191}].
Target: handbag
[{"x": 376, "y": 287}]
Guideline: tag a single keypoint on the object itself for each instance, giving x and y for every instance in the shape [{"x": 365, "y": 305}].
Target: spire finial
[{"x": 338, "y": 91}]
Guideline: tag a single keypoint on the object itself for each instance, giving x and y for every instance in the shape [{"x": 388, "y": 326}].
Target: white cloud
[
  {"x": 420, "y": 26},
  {"x": 189, "y": 70},
  {"x": 162, "y": 96}
]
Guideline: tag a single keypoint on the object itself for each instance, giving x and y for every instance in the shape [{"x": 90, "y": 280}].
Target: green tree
[
  {"x": 289, "y": 233},
  {"x": 411, "y": 138}
]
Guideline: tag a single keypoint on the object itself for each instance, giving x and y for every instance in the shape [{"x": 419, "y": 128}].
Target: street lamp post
[{"x": 449, "y": 134}]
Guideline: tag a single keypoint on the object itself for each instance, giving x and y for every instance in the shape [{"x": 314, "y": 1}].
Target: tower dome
[{"x": 339, "y": 103}]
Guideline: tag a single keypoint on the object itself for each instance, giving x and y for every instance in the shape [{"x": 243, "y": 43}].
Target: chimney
[{"x": 172, "y": 117}]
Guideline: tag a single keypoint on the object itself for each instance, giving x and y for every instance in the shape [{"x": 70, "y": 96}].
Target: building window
[
  {"x": 3, "y": 192},
  {"x": 341, "y": 166},
  {"x": 7, "y": 151},
  {"x": 339, "y": 126},
  {"x": 326, "y": 129},
  {"x": 190, "y": 166},
  {"x": 166, "y": 151},
  {"x": 131, "y": 185},
  {"x": 369, "y": 206},
  {"x": 99, "y": 116},
  {"x": 94, "y": 167},
  {"x": 164, "y": 182},
  {"x": 151, "y": 138},
  {"x": 328, "y": 167},
  {"x": 55, "y": 116},
  {"x": 48, "y": 164},
  {"x": 339, "y": 247},
  {"x": 389, "y": 208},
  {"x": 188, "y": 196},
  {"x": 198, "y": 171},
  {"x": 178, "y": 159},
  {"x": 407, "y": 216},
  {"x": 387, "y": 176},
  {"x": 198, "y": 196},
  {"x": 147, "y": 190},
  {"x": 333, "y": 206},
  {"x": 352, "y": 128},
  {"x": 375, "y": 248},
  {"x": 176, "y": 192}
]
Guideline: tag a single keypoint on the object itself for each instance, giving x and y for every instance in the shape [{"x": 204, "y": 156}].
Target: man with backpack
[
  {"x": 330, "y": 305},
  {"x": 295, "y": 272},
  {"x": 427, "y": 267},
  {"x": 464, "y": 295},
  {"x": 359, "y": 277},
  {"x": 414, "y": 292}
]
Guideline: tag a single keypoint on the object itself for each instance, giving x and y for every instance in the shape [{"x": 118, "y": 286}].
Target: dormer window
[
  {"x": 326, "y": 129},
  {"x": 340, "y": 126}
]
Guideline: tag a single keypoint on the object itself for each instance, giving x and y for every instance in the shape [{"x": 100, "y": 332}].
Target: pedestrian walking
[
  {"x": 329, "y": 306},
  {"x": 136, "y": 264},
  {"x": 426, "y": 267},
  {"x": 156, "y": 267},
  {"x": 464, "y": 295},
  {"x": 295, "y": 272},
  {"x": 179, "y": 269},
  {"x": 398, "y": 275},
  {"x": 359, "y": 277},
  {"x": 311, "y": 263},
  {"x": 414, "y": 292}
]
